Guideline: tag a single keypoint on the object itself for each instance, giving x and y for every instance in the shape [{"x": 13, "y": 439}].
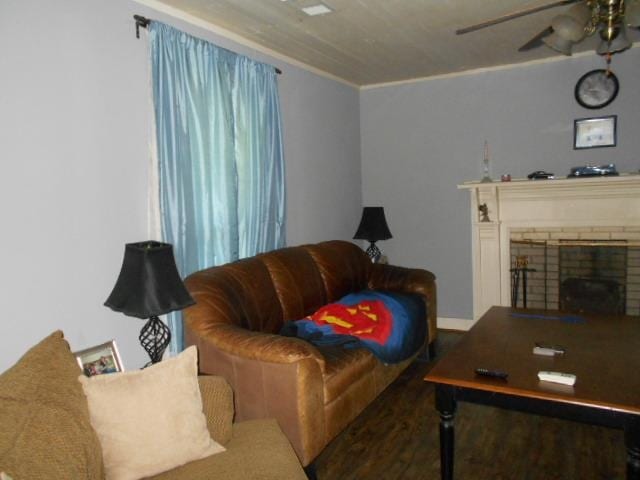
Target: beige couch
[{"x": 46, "y": 434}]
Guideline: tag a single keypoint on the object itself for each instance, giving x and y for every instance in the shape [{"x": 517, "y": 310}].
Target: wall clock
[{"x": 597, "y": 89}]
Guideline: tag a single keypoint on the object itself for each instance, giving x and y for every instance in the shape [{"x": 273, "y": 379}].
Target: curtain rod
[{"x": 144, "y": 23}]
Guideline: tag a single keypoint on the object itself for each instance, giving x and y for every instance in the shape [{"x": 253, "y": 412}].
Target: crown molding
[{"x": 476, "y": 71}]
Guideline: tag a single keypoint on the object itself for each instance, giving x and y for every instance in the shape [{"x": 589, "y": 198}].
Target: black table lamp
[
  {"x": 373, "y": 227},
  {"x": 149, "y": 285}
]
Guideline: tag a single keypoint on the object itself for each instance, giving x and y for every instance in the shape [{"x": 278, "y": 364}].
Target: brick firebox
[{"x": 563, "y": 253}]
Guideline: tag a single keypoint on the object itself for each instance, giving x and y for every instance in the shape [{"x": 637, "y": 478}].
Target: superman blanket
[{"x": 391, "y": 325}]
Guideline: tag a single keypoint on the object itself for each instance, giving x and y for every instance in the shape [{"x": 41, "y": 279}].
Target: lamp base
[
  {"x": 155, "y": 337},
  {"x": 374, "y": 252}
]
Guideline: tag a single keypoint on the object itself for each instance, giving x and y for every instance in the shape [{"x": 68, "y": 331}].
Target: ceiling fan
[{"x": 609, "y": 18}]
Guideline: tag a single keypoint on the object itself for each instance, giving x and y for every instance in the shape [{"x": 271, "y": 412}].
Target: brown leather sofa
[{"x": 240, "y": 308}]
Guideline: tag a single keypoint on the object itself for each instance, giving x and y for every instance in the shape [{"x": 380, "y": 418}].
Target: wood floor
[{"x": 396, "y": 437}]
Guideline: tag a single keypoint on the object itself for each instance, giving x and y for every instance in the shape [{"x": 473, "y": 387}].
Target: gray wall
[
  {"x": 420, "y": 140},
  {"x": 74, "y": 131}
]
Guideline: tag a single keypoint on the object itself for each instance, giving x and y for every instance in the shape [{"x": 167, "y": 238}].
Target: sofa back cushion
[
  {"x": 46, "y": 432},
  {"x": 343, "y": 266},
  {"x": 297, "y": 281},
  {"x": 262, "y": 292},
  {"x": 239, "y": 293}
]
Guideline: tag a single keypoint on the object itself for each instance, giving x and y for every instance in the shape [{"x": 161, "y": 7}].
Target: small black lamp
[
  {"x": 149, "y": 285},
  {"x": 373, "y": 227}
]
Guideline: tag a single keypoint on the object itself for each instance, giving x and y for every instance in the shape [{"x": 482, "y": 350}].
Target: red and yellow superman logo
[{"x": 369, "y": 319}]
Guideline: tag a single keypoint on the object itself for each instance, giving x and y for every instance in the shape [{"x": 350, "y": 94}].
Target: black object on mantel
[
  {"x": 593, "y": 171},
  {"x": 373, "y": 227},
  {"x": 148, "y": 286},
  {"x": 540, "y": 174}
]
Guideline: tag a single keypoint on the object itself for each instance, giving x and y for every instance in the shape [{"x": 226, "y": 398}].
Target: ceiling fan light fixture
[
  {"x": 584, "y": 18},
  {"x": 608, "y": 33},
  {"x": 568, "y": 27},
  {"x": 618, "y": 44},
  {"x": 558, "y": 43}
]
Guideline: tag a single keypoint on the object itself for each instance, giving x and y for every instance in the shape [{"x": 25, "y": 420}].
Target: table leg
[
  {"x": 632, "y": 442},
  {"x": 446, "y": 405}
]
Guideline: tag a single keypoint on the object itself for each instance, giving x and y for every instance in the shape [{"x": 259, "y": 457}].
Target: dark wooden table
[{"x": 603, "y": 353}]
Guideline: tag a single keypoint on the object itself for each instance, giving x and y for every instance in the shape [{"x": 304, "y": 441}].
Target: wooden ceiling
[{"x": 367, "y": 42}]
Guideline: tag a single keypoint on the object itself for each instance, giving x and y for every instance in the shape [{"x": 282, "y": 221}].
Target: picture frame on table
[
  {"x": 595, "y": 132},
  {"x": 100, "y": 360}
]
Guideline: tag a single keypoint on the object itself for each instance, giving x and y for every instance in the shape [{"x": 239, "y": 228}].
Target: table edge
[{"x": 504, "y": 388}]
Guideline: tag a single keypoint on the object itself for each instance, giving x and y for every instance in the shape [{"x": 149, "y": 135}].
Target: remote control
[
  {"x": 557, "y": 349},
  {"x": 545, "y": 351},
  {"x": 557, "y": 377},
  {"x": 491, "y": 373}
]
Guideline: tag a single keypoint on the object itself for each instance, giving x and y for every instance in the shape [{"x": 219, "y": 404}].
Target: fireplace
[
  {"x": 592, "y": 295},
  {"x": 580, "y": 239},
  {"x": 593, "y": 278},
  {"x": 574, "y": 275}
]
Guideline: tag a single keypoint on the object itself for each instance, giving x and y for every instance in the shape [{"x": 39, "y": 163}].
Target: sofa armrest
[
  {"x": 408, "y": 280},
  {"x": 287, "y": 387},
  {"x": 260, "y": 346},
  {"x": 217, "y": 405}
]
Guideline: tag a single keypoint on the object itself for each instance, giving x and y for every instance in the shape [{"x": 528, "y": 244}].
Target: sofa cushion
[
  {"x": 344, "y": 267},
  {"x": 344, "y": 366},
  {"x": 45, "y": 429},
  {"x": 257, "y": 450},
  {"x": 150, "y": 420},
  {"x": 297, "y": 281},
  {"x": 239, "y": 293}
]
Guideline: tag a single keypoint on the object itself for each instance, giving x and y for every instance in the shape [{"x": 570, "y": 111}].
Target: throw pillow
[
  {"x": 45, "y": 430},
  {"x": 149, "y": 421}
]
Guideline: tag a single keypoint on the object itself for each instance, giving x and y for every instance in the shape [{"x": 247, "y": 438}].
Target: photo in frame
[
  {"x": 99, "y": 360},
  {"x": 595, "y": 132}
]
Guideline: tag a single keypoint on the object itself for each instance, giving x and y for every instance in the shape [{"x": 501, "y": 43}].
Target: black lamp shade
[
  {"x": 149, "y": 284},
  {"x": 373, "y": 225}
]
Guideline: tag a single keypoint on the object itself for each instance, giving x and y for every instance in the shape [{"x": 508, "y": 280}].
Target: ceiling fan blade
[
  {"x": 515, "y": 14},
  {"x": 536, "y": 41}
]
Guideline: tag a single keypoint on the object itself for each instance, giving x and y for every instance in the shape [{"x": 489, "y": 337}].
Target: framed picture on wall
[
  {"x": 595, "y": 132},
  {"x": 101, "y": 359}
]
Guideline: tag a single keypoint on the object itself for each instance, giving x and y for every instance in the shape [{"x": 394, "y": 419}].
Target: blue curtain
[{"x": 220, "y": 158}]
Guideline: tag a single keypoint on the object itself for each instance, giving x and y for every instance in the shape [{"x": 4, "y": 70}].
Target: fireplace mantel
[{"x": 590, "y": 205}]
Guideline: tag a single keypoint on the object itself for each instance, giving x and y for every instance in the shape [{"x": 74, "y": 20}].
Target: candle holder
[{"x": 486, "y": 167}]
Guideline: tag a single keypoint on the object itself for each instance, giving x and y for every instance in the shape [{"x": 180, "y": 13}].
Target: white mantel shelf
[
  {"x": 524, "y": 183},
  {"x": 578, "y": 203}
]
